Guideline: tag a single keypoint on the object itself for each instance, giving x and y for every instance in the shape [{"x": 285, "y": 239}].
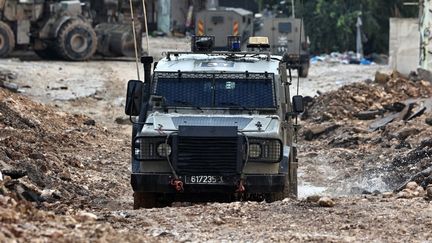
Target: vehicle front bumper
[{"x": 161, "y": 183}]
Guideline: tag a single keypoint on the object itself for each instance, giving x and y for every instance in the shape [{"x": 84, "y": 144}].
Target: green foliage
[{"x": 331, "y": 24}]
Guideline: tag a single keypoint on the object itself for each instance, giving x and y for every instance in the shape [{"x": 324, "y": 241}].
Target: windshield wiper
[{"x": 186, "y": 103}]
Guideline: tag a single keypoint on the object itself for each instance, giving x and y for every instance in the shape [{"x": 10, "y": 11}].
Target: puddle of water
[
  {"x": 305, "y": 190},
  {"x": 374, "y": 184}
]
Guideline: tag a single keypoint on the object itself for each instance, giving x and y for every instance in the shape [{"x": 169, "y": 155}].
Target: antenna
[
  {"x": 146, "y": 27},
  {"x": 299, "y": 52},
  {"x": 135, "y": 37},
  {"x": 298, "y": 73}
]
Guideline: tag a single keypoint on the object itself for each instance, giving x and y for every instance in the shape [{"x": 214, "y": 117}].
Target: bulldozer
[{"x": 71, "y": 29}]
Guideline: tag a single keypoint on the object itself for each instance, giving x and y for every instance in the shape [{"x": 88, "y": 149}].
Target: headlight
[
  {"x": 265, "y": 150},
  {"x": 254, "y": 151},
  {"x": 151, "y": 148},
  {"x": 163, "y": 150}
]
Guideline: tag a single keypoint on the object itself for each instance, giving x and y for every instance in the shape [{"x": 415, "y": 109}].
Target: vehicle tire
[
  {"x": 291, "y": 190},
  {"x": 7, "y": 39},
  {"x": 76, "y": 41},
  {"x": 303, "y": 70},
  {"x": 274, "y": 196},
  {"x": 144, "y": 200}
]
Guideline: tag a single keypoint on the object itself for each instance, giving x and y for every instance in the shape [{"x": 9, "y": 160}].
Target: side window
[
  {"x": 285, "y": 27},
  {"x": 217, "y": 19}
]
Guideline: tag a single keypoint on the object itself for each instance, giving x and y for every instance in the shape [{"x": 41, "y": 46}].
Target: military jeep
[{"x": 211, "y": 125}]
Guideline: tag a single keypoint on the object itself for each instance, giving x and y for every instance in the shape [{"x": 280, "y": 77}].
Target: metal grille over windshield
[{"x": 220, "y": 90}]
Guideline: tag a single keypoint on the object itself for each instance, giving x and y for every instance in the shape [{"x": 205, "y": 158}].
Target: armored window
[
  {"x": 185, "y": 92},
  {"x": 255, "y": 93},
  {"x": 285, "y": 27},
  {"x": 216, "y": 90}
]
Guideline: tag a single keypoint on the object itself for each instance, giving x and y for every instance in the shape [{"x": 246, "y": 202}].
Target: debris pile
[
  {"x": 376, "y": 135},
  {"x": 367, "y": 100},
  {"x": 349, "y": 57},
  {"x": 6, "y": 77},
  {"x": 52, "y": 156},
  {"x": 20, "y": 221},
  {"x": 412, "y": 189}
]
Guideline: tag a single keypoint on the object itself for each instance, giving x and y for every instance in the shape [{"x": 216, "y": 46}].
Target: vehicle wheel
[
  {"x": 275, "y": 196},
  {"x": 291, "y": 190},
  {"x": 144, "y": 200},
  {"x": 76, "y": 41},
  {"x": 303, "y": 71},
  {"x": 7, "y": 39}
]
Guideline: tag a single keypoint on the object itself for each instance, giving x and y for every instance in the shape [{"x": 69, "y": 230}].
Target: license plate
[{"x": 204, "y": 180}]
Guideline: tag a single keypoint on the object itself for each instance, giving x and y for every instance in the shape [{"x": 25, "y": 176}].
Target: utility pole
[
  {"x": 359, "y": 42},
  {"x": 293, "y": 8}
]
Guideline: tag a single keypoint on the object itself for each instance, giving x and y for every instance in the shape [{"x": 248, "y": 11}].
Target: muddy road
[{"x": 68, "y": 132}]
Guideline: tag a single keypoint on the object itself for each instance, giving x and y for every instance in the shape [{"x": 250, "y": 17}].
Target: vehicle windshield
[{"x": 250, "y": 90}]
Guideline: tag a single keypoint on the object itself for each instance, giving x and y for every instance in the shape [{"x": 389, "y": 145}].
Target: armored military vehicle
[
  {"x": 69, "y": 29},
  {"x": 285, "y": 35},
  {"x": 222, "y": 22},
  {"x": 213, "y": 124}
]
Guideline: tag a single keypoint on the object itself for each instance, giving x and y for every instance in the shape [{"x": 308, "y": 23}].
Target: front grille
[{"x": 207, "y": 155}]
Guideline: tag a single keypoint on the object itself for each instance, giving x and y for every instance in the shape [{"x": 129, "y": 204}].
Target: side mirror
[
  {"x": 134, "y": 97},
  {"x": 297, "y": 104}
]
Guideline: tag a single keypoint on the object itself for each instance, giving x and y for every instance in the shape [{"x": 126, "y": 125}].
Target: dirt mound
[
  {"x": 53, "y": 156},
  {"x": 20, "y": 221},
  {"x": 362, "y": 156},
  {"x": 380, "y": 95}
]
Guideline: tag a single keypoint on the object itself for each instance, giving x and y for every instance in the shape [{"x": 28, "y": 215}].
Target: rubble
[
  {"x": 387, "y": 194},
  {"x": 22, "y": 222},
  {"x": 381, "y": 78},
  {"x": 315, "y": 132},
  {"x": 349, "y": 57},
  {"x": 379, "y": 144},
  {"x": 6, "y": 77},
  {"x": 51, "y": 156},
  {"x": 429, "y": 121},
  {"x": 326, "y": 202},
  {"x": 370, "y": 99},
  {"x": 83, "y": 216},
  {"x": 412, "y": 189},
  {"x": 423, "y": 74},
  {"x": 429, "y": 192}
]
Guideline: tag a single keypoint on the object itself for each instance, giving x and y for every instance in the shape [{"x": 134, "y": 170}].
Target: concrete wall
[
  {"x": 404, "y": 45},
  {"x": 164, "y": 15},
  {"x": 426, "y": 34}
]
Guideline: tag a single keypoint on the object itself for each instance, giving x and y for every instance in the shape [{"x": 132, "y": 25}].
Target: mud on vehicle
[{"x": 213, "y": 125}]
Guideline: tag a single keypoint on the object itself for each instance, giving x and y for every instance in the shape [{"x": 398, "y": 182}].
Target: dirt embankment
[
  {"x": 369, "y": 136},
  {"x": 56, "y": 151},
  {"x": 56, "y": 169}
]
